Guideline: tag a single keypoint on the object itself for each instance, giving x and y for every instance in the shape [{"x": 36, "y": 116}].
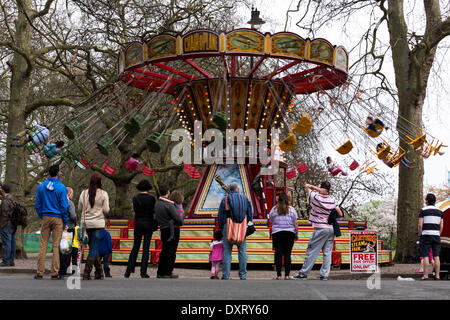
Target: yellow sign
[
  {"x": 288, "y": 45},
  {"x": 161, "y": 46},
  {"x": 201, "y": 41},
  {"x": 245, "y": 41}
]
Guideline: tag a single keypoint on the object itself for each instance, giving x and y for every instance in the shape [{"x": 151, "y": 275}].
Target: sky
[{"x": 436, "y": 112}]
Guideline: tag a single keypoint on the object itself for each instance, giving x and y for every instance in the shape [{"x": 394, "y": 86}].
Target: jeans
[
  {"x": 142, "y": 228},
  {"x": 95, "y": 236},
  {"x": 8, "y": 234},
  {"x": 242, "y": 255},
  {"x": 105, "y": 261}
]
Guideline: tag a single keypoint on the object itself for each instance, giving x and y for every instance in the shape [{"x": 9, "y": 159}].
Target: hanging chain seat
[
  {"x": 354, "y": 165},
  {"x": 73, "y": 153},
  {"x": 383, "y": 151},
  {"x": 291, "y": 173},
  {"x": 397, "y": 156},
  {"x": 425, "y": 150},
  {"x": 84, "y": 164},
  {"x": 135, "y": 124},
  {"x": 345, "y": 148},
  {"x": 106, "y": 145},
  {"x": 372, "y": 133},
  {"x": 368, "y": 167},
  {"x": 289, "y": 143},
  {"x": 418, "y": 141},
  {"x": 108, "y": 169},
  {"x": 148, "y": 172},
  {"x": 72, "y": 129},
  {"x": 154, "y": 141},
  {"x": 304, "y": 125},
  {"x": 32, "y": 147},
  {"x": 302, "y": 168}
]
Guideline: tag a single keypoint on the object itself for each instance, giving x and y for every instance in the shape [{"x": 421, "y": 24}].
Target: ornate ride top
[{"x": 253, "y": 97}]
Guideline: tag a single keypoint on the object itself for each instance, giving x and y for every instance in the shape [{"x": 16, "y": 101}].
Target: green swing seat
[
  {"x": 106, "y": 145},
  {"x": 134, "y": 125},
  {"x": 73, "y": 129},
  {"x": 154, "y": 141},
  {"x": 73, "y": 153}
]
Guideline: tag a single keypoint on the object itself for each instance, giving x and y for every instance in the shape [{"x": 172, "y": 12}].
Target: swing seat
[
  {"x": 426, "y": 151},
  {"x": 73, "y": 129},
  {"x": 397, "y": 157},
  {"x": 345, "y": 148},
  {"x": 354, "y": 165},
  {"x": 304, "y": 125},
  {"x": 335, "y": 171},
  {"x": 105, "y": 145},
  {"x": 302, "y": 168},
  {"x": 74, "y": 152},
  {"x": 383, "y": 152},
  {"x": 148, "y": 172},
  {"x": 84, "y": 164},
  {"x": 135, "y": 124},
  {"x": 372, "y": 133},
  {"x": 32, "y": 147},
  {"x": 371, "y": 169},
  {"x": 438, "y": 147},
  {"x": 108, "y": 169},
  {"x": 153, "y": 142},
  {"x": 289, "y": 143},
  {"x": 378, "y": 124},
  {"x": 291, "y": 174},
  {"x": 418, "y": 141}
]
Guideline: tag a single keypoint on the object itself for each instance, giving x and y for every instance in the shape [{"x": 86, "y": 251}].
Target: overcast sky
[{"x": 436, "y": 114}]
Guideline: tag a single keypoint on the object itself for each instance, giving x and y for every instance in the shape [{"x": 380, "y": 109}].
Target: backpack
[{"x": 19, "y": 215}]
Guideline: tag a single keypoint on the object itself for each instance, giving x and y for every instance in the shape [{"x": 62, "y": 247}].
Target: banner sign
[{"x": 363, "y": 251}]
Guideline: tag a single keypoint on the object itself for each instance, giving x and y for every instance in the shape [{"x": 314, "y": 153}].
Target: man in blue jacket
[
  {"x": 51, "y": 206},
  {"x": 240, "y": 208}
]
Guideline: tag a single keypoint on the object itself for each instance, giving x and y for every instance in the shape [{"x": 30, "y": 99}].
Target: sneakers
[
  {"x": 145, "y": 276},
  {"x": 171, "y": 276},
  {"x": 323, "y": 278},
  {"x": 300, "y": 276},
  {"x": 4, "y": 264},
  {"x": 57, "y": 277},
  {"x": 12, "y": 264},
  {"x": 38, "y": 277}
]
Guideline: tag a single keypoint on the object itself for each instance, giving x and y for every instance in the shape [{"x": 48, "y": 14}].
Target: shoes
[
  {"x": 419, "y": 271},
  {"x": 145, "y": 276},
  {"x": 16, "y": 138},
  {"x": 243, "y": 278},
  {"x": 223, "y": 278},
  {"x": 38, "y": 277},
  {"x": 127, "y": 274},
  {"x": 57, "y": 277},
  {"x": 323, "y": 278},
  {"x": 4, "y": 264},
  {"x": 12, "y": 264},
  {"x": 108, "y": 276},
  {"x": 171, "y": 276},
  {"x": 300, "y": 276}
]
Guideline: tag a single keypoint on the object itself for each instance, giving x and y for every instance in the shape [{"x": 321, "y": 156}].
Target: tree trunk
[
  {"x": 122, "y": 205},
  {"x": 19, "y": 93}
]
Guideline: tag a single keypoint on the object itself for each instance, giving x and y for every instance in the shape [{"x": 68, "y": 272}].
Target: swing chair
[
  {"x": 304, "y": 125},
  {"x": 105, "y": 145},
  {"x": 368, "y": 167},
  {"x": 437, "y": 147},
  {"x": 425, "y": 150},
  {"x": 108, "y": 169},
  {"x": 135, "y": 124},
  {"x": 291, "y": 173},
  {"x": 354, "y": 165},
  {"x": 289, "y": 143},
  {"x": 154, "y": 141},
  {"x": 383, "y": 152},
  {"x": 302, "y": 168},
  {"x": 346, "y": 147},
  {"x": 418, "y": 141},
  {"x": 84, "y": 164},
  {"x": 372, "y": 133},
  {"x": 72, "y": 129},
  {"x": 396, "y": 157},
  {"x": 148, "y": 172},
  {"x": 73, "y": 153},
  {"x": 32, "y": 147}
]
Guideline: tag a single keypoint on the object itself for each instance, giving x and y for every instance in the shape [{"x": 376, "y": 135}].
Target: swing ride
[{"x": 241, "y": 79}]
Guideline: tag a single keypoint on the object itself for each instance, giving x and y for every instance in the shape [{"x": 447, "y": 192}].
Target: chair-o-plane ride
[{"x": 240, "y": 79}]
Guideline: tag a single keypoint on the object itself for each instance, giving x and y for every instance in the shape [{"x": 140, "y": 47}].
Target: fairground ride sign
[{"x": 363, "y": 251}]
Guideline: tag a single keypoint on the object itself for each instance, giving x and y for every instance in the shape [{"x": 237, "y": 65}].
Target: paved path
[{"x": 24, "y": 287}]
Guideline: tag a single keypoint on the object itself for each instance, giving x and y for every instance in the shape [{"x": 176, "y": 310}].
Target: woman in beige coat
[{"x": 94, "y": 204}]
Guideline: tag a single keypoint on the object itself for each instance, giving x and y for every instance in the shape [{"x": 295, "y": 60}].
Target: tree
[{"x": 413, "y": 54}]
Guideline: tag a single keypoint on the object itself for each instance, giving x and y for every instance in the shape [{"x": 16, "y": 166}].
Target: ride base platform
[{"x": 197, "y": 234}]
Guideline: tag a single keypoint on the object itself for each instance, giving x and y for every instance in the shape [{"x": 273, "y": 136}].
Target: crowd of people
[{"x": 57, "y": 211}]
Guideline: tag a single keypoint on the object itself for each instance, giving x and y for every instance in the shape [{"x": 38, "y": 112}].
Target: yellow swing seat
[
  {"x": 345, "y": 148},
  {"x": 289, "y": 143},
  {"x": 371, "y": 133},
  {"x": 383, "y": 152},
  {"x": 304, "y": 125},
  {"x": 418, "y": 141},
  {"x": 426, "y": 150},
  {"x": 437, "y": 147},
  {"x": 368, "y": 167},
  {"x": 397, "y": 157}
]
